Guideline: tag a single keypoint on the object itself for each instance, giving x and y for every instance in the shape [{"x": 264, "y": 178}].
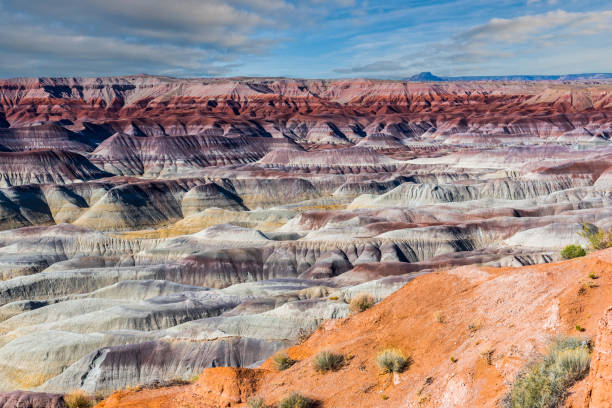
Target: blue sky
[{"x": 308, "y": 39}]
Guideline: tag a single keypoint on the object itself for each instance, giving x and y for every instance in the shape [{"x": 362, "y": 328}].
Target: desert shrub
[
  {"x": 78, "y": 399},
  {"x": 544, "y": 383},
  {"x": 361, "y": 303},
  {"x": 296, "y": 400},
  {"x": 392, "y": 361},
  {"x": 572, "y": 251},
  {"x": 597, "y": 237},
  {"x": 283, "y": 362},
  {"x": 256, "y": 403},
  {"x": 327, "y": 361}
]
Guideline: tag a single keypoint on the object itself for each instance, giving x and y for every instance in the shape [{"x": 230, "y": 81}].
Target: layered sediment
[{"x": 153, "y": 227}]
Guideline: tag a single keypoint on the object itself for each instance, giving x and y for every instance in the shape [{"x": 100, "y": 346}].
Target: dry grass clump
[
  {"x": 544, "y": 383},
  {"x": 361, "y": 303},
  {"x": 256, "y": 403},
  {"x": 572, "y": 251},
  {"x": 78, "y": 399},
  {"x": 327, "y": 361},
  {"x": 283, "y": 362},
  {"x": 296, "y": 400},
  {"x": 392, "y": 361}
]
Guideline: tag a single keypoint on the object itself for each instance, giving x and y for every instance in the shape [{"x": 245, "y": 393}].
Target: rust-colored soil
[{"x": 489, "y": 321}]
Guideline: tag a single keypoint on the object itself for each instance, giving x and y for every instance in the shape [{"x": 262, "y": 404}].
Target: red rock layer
[{"x": 318, "y": 111}]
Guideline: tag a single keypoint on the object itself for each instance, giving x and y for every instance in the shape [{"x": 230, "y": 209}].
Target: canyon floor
[{"x": 152, "y": 228}]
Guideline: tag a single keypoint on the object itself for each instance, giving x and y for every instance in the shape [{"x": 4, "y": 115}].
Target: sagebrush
[{"x": 544, "y": 383}]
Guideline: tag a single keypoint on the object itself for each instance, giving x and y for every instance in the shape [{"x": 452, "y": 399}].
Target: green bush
[
  {"x": 572, "y": 251},
  {"x": 328, "y": 361},
  {"x": 544, "y": 383},
  {"x": 392, "y": 361},
  {"x": 296, "y": 400},
  {"x": 283, "y": 362},
  {"x": 361, "y": 303}
]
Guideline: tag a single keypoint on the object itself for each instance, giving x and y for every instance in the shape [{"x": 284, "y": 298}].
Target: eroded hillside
[{"x": 152, "y": 227}]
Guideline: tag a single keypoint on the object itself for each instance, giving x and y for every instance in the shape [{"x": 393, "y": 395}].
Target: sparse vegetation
[
  {"x": 283, "y": 362},
  {"x": 579, "y": 328},
  {"x": 593, "y": 276},
  {"x": 572, "y": 251},
  {"x": 327, "y": 361},
  {"x": 256, "y": 403},
  {"x": 392, "y": 361},
  {"x": 162, "y": 384},
  {"x": 304, "y": 334},
  {"x": 296, "y": 400},
  {"x": 361, "y": 303},
  {"x": 384, "y": 397},
  {"x": 453, "y": 359},
  {"x": 487, "y": 356},
  {"x": 439, "y": 317},
  {"x": 544, "y": 383},
  {"x": 78, "y": 399},
  {"x": 474, "y": 326},
  {"x": 597, "y": 237},
  {"x": 98, "y": 397}
]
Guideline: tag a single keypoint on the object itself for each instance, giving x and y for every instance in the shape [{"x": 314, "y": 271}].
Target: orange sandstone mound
[{"x": 468, "y": 330}]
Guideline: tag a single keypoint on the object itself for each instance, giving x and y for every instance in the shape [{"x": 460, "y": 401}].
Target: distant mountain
[
  {"x": 429, "y": 77},
  {"x": 425, "y": 77}
]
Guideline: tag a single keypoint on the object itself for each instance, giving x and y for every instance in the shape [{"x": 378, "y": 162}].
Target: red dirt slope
[{"x": 494, "y": 320}]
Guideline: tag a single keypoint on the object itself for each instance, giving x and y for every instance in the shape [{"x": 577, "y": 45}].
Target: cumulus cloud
[
  {"x": 492, "y": 45},
  {"x": 178, "y": 37},
  {"x": 293, "y": 37},
  {"x": 535, "y": 27}
]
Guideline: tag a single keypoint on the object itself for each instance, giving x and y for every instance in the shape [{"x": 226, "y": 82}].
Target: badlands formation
[{"x": 151, "y": 228}]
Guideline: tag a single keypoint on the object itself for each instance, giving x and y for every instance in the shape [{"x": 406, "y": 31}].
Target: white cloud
[
  {"x": 528, "y": 28},
  {"x": 527, "y": 41}
]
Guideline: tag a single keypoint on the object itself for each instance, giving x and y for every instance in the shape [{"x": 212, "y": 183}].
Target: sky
[{"x": 305, "y": 39}]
